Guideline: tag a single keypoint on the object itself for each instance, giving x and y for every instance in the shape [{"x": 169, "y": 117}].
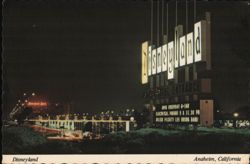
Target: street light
[
  {"x": 235, "y": 121},
  {"x": 33, "y": 94},
  {"x": 236, "y": 114}
]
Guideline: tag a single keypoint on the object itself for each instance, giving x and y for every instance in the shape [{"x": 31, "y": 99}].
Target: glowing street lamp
[
  {"x": 236, "y": 115},
  {"x": 234, "y": 121},
  {"x": 24, "y": 94},
  {"x": 33, "y": 94}
]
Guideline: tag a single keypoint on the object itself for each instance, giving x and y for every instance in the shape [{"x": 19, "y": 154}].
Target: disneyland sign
[{"x": 183, "y": 50}]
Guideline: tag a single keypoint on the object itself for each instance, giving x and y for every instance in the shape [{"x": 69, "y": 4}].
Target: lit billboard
[{"x": 183, "y": 50}]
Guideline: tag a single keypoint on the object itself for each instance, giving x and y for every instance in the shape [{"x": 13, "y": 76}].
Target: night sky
[{"x": 88, "y": 52}]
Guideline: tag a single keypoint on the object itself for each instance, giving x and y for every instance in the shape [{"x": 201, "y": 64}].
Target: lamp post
[{"x": 235, "y": 115}]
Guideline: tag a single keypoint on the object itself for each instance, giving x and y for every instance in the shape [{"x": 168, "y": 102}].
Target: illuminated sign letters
[
  {"x": 37, "y": 104},
  {"x": 164, "y": 57},
  {"x": 171, "y": 60},
  {"x": 149, "y": 60},
  {"x": 154, "y": 62},
  {"x": 183, "y": 50},
  {"x": 159, "y": 59},
  {"x": 144, "y": 62},
  {"x": 199, "y": 41},
  {"x": 178, "y": 33},
  {"x": 190, "y": 50}
]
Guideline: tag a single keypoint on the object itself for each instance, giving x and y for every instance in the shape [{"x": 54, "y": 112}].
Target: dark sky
[{"x": 88, "y": 52}]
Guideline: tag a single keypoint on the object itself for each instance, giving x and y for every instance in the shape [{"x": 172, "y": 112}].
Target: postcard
[{"x": 136, "y": 81}]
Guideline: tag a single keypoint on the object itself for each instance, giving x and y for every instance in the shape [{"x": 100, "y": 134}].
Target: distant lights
[{"x": 37, "y": 104}]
